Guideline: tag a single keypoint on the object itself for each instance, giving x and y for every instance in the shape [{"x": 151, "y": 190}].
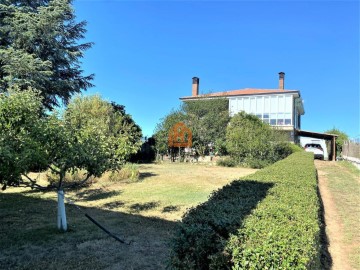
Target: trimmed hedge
[{"x": 269, "y": 220}]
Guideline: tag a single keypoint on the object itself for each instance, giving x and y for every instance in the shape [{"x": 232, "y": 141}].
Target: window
[
  {"x": 287, "y": 118},
  {"x": 259, "y": 105},
  {"x": 288, "y": 104},
  {"x": 274, "y": 104},
  {"x": 266, "y": 104},
  {"x": 252, "y": 105},
  {"x": 281, "y": 103},
  {"x": 247, "y": 105}
]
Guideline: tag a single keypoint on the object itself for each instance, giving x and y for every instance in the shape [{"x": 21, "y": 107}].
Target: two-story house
[{"x": 281, "y": 108}]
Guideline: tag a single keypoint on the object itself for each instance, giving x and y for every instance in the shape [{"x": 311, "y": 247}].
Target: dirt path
[{"x": 334, "y": 226}]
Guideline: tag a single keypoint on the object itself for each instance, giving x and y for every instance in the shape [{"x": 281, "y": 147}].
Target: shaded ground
[
  {"x": 339, "y": 186},
  {"x": 144, "y": 213}
]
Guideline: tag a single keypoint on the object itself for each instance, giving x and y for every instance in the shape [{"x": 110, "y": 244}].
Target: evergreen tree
[{"x": 39, "y": 49}]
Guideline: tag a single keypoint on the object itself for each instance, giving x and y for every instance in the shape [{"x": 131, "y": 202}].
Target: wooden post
[{"x": 333, "y": 144}]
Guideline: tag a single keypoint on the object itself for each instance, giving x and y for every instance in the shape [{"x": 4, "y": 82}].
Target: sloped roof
[{"x": 243, "y": 92}]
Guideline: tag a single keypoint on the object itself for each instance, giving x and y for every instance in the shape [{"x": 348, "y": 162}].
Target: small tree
[
  {"x": 20, "y": 150},
  {"x": 62, "y": 144},
  {"x": 253, "y": 142},
  {"x": 342, "y": 137},
  {"x": 248, "y": 137},
  {"x": 93, "y": 137},
  {"x": 208, "y": 120},
  {"x": 162, "y": 131}
]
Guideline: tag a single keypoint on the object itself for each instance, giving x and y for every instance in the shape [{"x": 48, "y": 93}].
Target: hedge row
[{"x": 269, "y": 220}]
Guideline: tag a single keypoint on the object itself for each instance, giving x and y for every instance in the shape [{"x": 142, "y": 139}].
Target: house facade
[{"x": 281, "y": 108}]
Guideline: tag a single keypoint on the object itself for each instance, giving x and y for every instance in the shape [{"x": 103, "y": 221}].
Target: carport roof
[{"x": 316, "y": 135}]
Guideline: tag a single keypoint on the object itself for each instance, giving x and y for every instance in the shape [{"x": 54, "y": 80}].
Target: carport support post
[{"x": 333, "y": 144}]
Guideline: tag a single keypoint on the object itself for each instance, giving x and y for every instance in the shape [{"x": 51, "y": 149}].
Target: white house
[{"x": 281, "y": 108}]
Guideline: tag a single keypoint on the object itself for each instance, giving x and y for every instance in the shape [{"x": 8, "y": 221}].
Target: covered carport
[{"x": 324, "y": 136}]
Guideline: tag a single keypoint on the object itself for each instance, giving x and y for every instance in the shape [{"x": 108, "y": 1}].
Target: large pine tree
[{"x": 39, "y": 48}]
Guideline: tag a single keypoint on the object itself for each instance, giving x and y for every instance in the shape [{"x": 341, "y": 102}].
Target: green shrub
[
  {"x": 296, "y": 148},
  {"x": 268, "y": 220},
  {"x": 254, "y": 143},
  {"x": 256, "y": 163},
  {"x": 227, "y": 162},
  {"x": 129, "y": 172},
  {"x": 283, "y": 231},
  {"x": 70, "y": 178}
]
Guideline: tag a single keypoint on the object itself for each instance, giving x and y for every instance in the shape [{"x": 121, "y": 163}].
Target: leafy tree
[
  {"x": 162, "y": 130},
  {"x": 92, "y": 112},
  {"x": 253, "y": 142},
  {"x": 207, "y": 119},
  {"x": 87, "y": 138},
  {"x": 342, "y": 137},
  {"x": 39, "y": 49},
  {"x": 248, "y": 137},
  {"x": 20, "y": 150}
]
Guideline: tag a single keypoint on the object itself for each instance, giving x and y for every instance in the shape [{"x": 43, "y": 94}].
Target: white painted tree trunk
[{"x": 61, "y": 217}]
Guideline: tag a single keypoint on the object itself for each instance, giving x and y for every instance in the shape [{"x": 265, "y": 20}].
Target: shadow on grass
[
  {"x": 138, "y": 207},
  {"x": 144, "y": 175},
  {"x": 170, "y": 208},
  {"x": 205, "y": 229},
  {"x": 29, "y": 238},
  {"x": 96, "y": 194},
  {"x": 113, "y": 205}
]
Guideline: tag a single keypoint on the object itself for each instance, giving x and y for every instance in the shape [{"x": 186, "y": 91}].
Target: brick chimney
[
  {"x": 195, "y": 86},
  {"x": 281, "y": 80}
]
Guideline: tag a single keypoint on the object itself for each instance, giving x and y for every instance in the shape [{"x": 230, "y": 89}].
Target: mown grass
[
  {"x": 160, "y": 189},
  {"x": 144, "y": 212},
  {"x": 344, "y": 184}
]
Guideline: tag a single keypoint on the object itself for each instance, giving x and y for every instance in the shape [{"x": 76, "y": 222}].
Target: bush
[
  {"x": 129, "y": 172},
  {"x": 269, "y": 220},
  {"x": 227, "y": 162},
  {"x": 248, "y": 137},
  {"x": 296, "y": 148},
  {"x": 256, "y": 163},
  {"x": 70, "y": 178},
  {"x": 254, "y": 143}
]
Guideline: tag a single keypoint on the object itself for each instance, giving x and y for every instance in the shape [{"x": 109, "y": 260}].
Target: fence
[
  {"x": 351, "y": 152},
  {"x": 351, "y": 149}
]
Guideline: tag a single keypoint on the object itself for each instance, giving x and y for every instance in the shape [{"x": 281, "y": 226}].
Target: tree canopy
[
  {"x": 90, "y": 136},
  {"x": 20, "y": 150},
  {"x": 342, "y": 137},
  {"x": 252, "y": 142},
  {"x": 39, "y": 49},
  {"x": 162, "y": 130},
  {"x": 207, "y": 120}
]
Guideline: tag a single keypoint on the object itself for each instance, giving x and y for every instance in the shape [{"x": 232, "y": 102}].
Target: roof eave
[{"x": 226, "y": 95}]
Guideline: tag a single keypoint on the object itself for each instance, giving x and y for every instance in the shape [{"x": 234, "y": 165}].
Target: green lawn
[{"x": 145, "y": 212}]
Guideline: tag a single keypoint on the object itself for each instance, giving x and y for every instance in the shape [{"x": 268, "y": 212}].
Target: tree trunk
[{"x": 61, "y": 217}]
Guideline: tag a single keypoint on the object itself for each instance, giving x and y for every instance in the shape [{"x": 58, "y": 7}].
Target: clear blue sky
[{"x": 146, "y": 53}]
